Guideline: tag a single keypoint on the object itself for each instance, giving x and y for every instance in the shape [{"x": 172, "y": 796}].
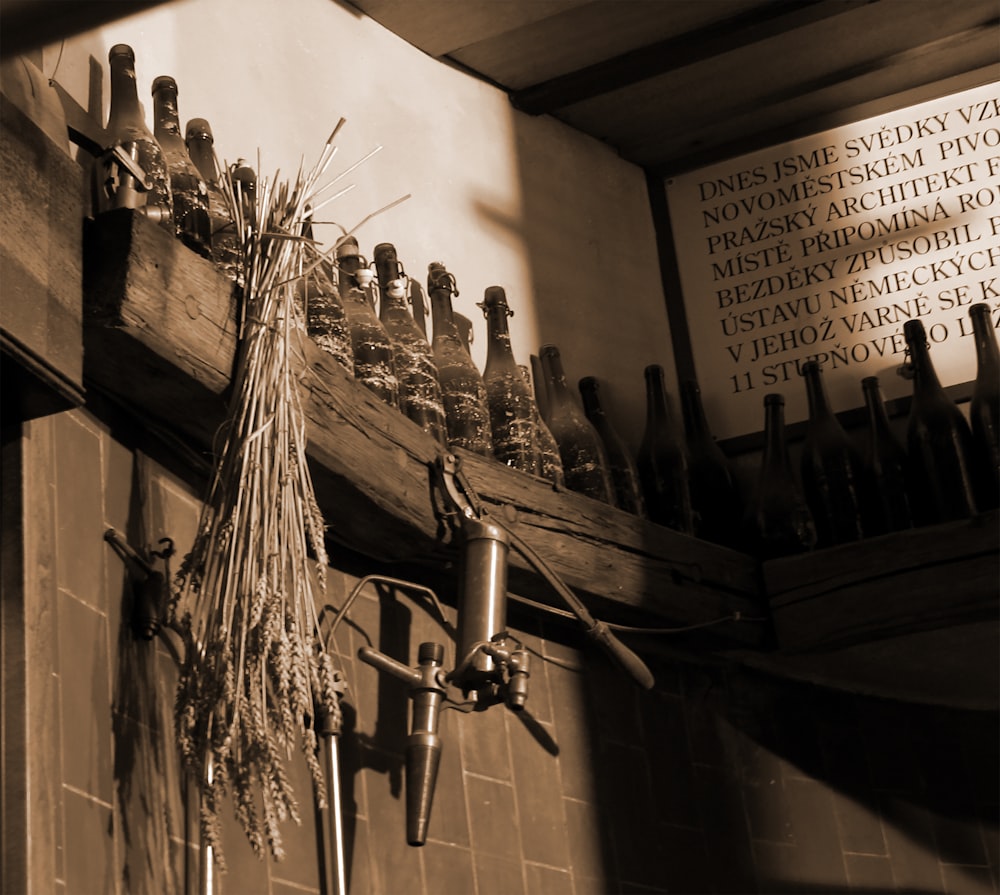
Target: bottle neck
[
  {"x": 203, "y": 155},
  {"x": 656, "y": 397},
  {"x": 559, "y": 394},
  {"x": 695, "y": 421},
  {"x": 819, "y": 405},
  {"x": 775, "y": 447},
  {"x": 442, "y": 316},
  {"x": 498, "y": 334},
  {"x": 924, "y": 375},
  {"x": 987, "y": 352},
  {"x": 589, "y": 392},
  {"x": 166, "y": 124},
  {"x": 125, "y": 108},
  {"x": 878, "y": 418},
  {"x": 392, "y": 292}
]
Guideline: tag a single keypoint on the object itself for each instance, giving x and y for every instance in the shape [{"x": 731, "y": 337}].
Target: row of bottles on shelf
[
  {"x": 679, "y": 477},
  {"x": 947, "y": 468}
]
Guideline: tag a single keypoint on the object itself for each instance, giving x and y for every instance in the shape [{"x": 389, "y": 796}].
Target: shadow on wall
[{"x": 726, "y": 780}]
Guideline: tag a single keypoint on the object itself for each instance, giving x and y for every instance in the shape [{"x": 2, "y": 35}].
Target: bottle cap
[
  {"x": 548, "y": 351},
  {"x": 348, "y": 248},
  {"x": 164, "y": 82},
  {"x": 773, "y": 398},
  {"x": 121, "y": 50},
  {"x": 198, "y": 128}
]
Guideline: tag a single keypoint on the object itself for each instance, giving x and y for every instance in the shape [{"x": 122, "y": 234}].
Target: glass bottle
[
  {"x": 512, "y": 422},
  {"x": 662, "y": 460},
  {"x": 585, "y": 464},
  {"x": 374, "y": 367},
  {"x": 132, "y": 171},
  {"x": 243, "y": 180},
  {"x": 462, "y": 387},
  {"x": 777, "y": 521},
  {"x": 715, "y": 499},
  {"x": 885, "y": 500},
  {"x": 984, "y": 408},
  {"x": 830, "y": 467},
  {"x": 549, "y": 462},
  {"x": 624, "y": 476},
  {"x": 192, "y": 223},
  {"x": 938, "y": 442},
  {"x": 319, "y": 295},
  {"x": 419, "y": 390},
  {"x": 541, "y": 387},
  {"x": 226, "y": 240}
]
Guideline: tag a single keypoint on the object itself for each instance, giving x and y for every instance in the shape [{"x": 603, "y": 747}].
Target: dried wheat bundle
[{"x": 256, "y": 673}]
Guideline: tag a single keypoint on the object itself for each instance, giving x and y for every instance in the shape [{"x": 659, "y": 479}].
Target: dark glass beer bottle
[
  {"x": 715, "y": 499},
  {"x": 373, "y": 359},
  {"x": 419, "y": 389},
  {"x": 830, "y": 466},
  {"x": 938, "y": 442},
  {"x": 885, "y": 499},
  {"x": 326, "y": 320},
  {"x": 131, "y": 172},
  {"x": 549, "y": 461},
  {"x": 465, "y": 408},
  {"x": 512, "y": 422},
  {"x": 189, "y": 194},
  {"x": 624, "y": 476},
  {"x": 226, "y": 238},
  {"x": 662, "y": 460},
  {"x": 984, "y": 408},
  {"x": 585, "y": 465},
  {"x": 777, "y": 521}
]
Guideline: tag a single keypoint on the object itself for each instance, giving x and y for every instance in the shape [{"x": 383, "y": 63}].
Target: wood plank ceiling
[{"x": 668, "y": 83}]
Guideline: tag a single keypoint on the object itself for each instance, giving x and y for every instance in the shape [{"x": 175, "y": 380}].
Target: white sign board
[{"x": 825, "y": 246}]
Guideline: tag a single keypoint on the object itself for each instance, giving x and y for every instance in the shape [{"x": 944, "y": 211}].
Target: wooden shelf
[
  {"x": 912, "y": 615},
  {"x": 160, "y": 336},
  {"x": 41, "y": 232}
]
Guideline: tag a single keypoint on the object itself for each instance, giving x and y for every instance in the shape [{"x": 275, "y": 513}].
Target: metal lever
[{"x": 423, "y": 747}]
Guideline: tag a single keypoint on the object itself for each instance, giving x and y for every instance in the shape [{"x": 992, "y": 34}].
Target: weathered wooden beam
[
  {"x": 160, "y": 334},
  {"x": 929, "y": 578}
]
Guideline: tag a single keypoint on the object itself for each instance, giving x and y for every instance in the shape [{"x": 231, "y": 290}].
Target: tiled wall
[{"x": 718, "y": 780}]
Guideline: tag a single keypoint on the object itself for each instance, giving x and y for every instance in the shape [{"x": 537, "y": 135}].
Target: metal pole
[
  {"x": 207, "y": 870},
  {"x": 336, "y": 882}
]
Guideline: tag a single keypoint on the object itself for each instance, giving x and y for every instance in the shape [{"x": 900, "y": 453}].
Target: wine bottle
[
  {"x": 465, "y": 408},
  {"x": 243, "y": 180},
  {"x": 885, "y": 499},
  {"x": 226, "y": 239},
  {"x": 374, "y": 367},
  {"x": 585, "y": 464},
  {"x": 938, "y": 441},
  {"x": 662, "y": 460},
  {"x": 777, "y": 521},
  {"x": 419, "y": 389},
  {"x": 625, "y": 485},
  {"x": 715, "y": 499},
  {"x": 542, "y": 401},
  {"x": 192, "y": 222},
  {"x": 318, "y": 293},
  {"x": 830, "y": 467},
  {"x": 984, "y": 408},
  {"x": 550, "y": 463},
  {"x": 512, "y": 423},
  {"x": 131, "y": 172}
]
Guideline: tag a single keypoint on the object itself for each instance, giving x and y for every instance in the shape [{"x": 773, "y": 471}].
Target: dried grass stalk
[{"x": 257, "y": 673}]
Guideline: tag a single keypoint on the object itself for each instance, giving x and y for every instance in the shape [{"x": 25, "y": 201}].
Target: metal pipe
[
  {"x": 336, "y": 880},
  {"x": 207, "y": 868}
]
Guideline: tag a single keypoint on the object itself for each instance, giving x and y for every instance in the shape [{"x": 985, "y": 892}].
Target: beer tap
[{"x": 490, "y": 662}]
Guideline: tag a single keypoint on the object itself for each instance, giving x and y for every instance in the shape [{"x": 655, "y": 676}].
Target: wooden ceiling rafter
[{"x": 659, "y": 58}]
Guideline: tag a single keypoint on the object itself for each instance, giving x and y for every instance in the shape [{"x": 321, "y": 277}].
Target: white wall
[{"x": 501, "y": 198}]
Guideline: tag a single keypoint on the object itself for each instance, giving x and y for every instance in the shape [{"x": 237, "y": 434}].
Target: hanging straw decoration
[{"x": 257, "y": 673}]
